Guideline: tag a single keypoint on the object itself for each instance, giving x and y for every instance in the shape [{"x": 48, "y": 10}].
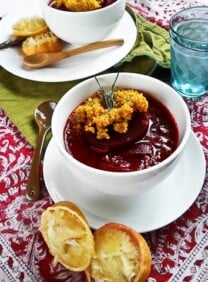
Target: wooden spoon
[
  {"x": 43, "y": 115},
  {"x": 45, "y": 59}
]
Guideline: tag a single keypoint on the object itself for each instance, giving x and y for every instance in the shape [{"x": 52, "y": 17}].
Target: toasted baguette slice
[
  {"x": 29, "y": 26},
  {"x": 43, "y": 43},
  {"x": 121, "y": 254},
  {"x": 67, "y": 235}
]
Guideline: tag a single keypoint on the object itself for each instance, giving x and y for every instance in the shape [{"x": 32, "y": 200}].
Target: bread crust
[
  {"x": 43, "y": 43},
  {"x": 67, "y": 234},
  {"x": 115, "y": 252},
  {"x": 104, "y": 241}
]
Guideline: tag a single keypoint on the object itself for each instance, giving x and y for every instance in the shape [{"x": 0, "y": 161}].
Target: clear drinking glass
[{"x": 189, "y": 51}]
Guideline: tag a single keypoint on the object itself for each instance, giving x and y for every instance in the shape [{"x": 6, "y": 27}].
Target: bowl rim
[
  {"x": 106, "y": 8},
  {"x": 151, "y": 169}
]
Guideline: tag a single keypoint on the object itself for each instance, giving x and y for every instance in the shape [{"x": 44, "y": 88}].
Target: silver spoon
[
  {"x": 43, "y": 116},
  {"x": 12, "y": 41}
]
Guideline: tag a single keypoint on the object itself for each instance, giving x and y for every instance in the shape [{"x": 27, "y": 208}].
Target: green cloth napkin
[
  {"x": 19, "y": 97},
  {"x": 151, "y": 49}
]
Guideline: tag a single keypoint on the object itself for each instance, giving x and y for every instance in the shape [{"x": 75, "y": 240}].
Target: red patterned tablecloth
[
  {"x": 160, "y": 11},
  {"x": 179, "y": 250}
]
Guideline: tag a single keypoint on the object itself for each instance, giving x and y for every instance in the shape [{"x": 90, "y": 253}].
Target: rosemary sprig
[{"x": 108, "y": 93}]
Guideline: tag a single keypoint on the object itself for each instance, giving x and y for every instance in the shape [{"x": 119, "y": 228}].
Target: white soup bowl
[
  {"x": 122, "y": 183},
  {"x": 86, "y": 26}
]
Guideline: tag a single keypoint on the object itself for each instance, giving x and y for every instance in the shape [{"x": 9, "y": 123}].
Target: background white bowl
[
  {"x": 122, "y": 183},
  {"x": 83, "y": 27}
]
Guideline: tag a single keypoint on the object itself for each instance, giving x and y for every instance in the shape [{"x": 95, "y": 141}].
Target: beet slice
[
  {"x": 108, "y": 2},
  {"x": 137, "y": 129}
]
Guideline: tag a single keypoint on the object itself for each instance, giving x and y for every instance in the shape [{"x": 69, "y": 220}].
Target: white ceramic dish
[
  {"x": 5, "y": 7},
  {"x": 18, "y": 8},
  {"x": 146, "y": 212},
  {"x": 8, "y": 5},
  {"x": 77, "y": 67},
  {"x": 113, "y": 182},
  {"x": 83, "y": 27}
]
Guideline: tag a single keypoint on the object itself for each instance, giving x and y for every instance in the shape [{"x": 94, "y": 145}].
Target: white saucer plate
[
  {"x": 145, "y": 212},
  {"x": 20, "y": 7},
  {"x": 73, "y": 68},
  {"x": 5, "y": 7}
]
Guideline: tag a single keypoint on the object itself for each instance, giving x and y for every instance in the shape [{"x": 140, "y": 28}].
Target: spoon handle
[
  {"x": 44, "y": 59},
  {"x": 33, "y": 184},
  {"x": 12, "y": 41},
  {"x": 5, "y": 44},
  {"x": 92, "y": 46}
]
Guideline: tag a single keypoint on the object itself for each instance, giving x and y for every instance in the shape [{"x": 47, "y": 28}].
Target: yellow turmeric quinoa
[
  {"x": 79, "y": 5},
  {"x": 92, "y": 115}
]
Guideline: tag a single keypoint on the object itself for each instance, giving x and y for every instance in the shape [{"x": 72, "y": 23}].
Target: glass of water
[{"x": 189, "y": 51}]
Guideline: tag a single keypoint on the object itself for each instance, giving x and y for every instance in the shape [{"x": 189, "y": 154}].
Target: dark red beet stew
[{"x": 155, "y": 137}]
